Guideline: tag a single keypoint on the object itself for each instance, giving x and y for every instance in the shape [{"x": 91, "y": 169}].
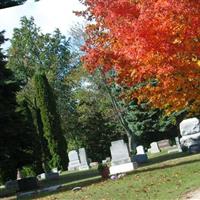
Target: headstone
[
  {"x": 164, "y": 144},
  {"x": 55, "y": 170},
  {"x": 190, "y": 126},
  {"x": 108, "y": 159},
  {"x": 41, "y": 176},
  {"x": 178, "y": 144},
  {"x": 12, "y": 185},
  {"x": 190, "y": 132},
  {"x": 74, "y": 162},
  {"x": 94, "y": 164},
  {"x": 140, "y": 150},
  {"x": 83, "y": 159},
  {"x": 154, "y": 147},
  {"x": 141, "y": 156},
  {"x": 19, "y": 175},
  {"x": 104, "y": 161},
  {"x": 121, "y": 161}
]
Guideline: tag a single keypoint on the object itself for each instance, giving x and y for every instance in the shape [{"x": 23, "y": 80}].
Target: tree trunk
[{"x": 116, "y": 107}]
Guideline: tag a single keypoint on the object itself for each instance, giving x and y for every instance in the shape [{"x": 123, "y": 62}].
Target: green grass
[{"x": 164, "y": 177}]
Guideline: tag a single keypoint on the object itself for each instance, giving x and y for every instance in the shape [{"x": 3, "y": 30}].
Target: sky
[{"x": 48, "y": 15}]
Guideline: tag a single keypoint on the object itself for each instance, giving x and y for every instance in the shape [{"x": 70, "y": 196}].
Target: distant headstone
[
  {"x": 154, "y": 147},
  {"x": 94, "y": 164},
  {"x": 164, "y": 144},
  {"x": 121, "y": 161},
  {"x": 83, "y": 159},
  {"x": 178, "y": 144},
  {"x": 12, "y": 185},
  {"x": 108, "y": 159},
  {"x": 140, "y": 150},
  {"x": 41, "y": 176},
  {"x": 141, "y": 156},
  {"x": 74, "y": 162},
  {"x": 190, "y": 132},
  {"x": 104, "y": 161}
]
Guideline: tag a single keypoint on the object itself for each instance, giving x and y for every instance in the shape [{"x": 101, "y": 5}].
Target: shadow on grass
[
  {"x": 168, "y": 156},
  {"x": 63, "y": 188},
  {"x": 70, "y": 177}
]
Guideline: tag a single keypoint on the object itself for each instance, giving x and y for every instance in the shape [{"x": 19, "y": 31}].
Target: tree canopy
[{"x": 153, "y": 46}]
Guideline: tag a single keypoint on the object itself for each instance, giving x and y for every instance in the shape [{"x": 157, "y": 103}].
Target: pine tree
[{"x": 51, "y": 122}]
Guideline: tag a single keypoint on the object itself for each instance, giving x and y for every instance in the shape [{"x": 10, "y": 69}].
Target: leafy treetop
[{"x": 152, "y": 45}]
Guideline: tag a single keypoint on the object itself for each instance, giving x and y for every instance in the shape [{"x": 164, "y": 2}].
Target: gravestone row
[{"x": 78, "y": 160}]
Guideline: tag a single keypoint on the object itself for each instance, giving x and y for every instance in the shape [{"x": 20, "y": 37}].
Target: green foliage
[
  {"x": 27, "y": 171},
  {"x": 17, "y": 143},
  {"x": 51, "y": 122},
  {"x": 90, "y": 124},
  {"x": 32, "y": 51}
]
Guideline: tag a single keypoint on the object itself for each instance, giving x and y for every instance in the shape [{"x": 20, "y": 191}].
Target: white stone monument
[
  {"x": 121, "y": 161},
  {"x": 154, "y": 147},
  {"x": 190, "y": 132},
  {"x": 140, "y": 150},
  {"x": 74, "y": 162},
  {"x": 83, "y": 159},
  {"x": 178, "y": 144},
  {"x": 141, "y": 156}
]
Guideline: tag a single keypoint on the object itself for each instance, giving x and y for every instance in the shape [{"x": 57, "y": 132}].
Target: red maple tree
[{"x": 153, "y": 45}]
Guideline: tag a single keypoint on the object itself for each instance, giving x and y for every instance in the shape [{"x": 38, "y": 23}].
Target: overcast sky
[{"x": 48, "y": 14}]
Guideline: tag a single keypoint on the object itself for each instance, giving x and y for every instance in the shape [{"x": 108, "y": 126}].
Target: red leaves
[{"x": 148, "y": 39}]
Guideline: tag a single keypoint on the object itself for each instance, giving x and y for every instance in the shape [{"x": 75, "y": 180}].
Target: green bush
[{"x": 27, "y": 171}]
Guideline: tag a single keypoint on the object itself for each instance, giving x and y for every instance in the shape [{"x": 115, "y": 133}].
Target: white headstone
[
  {"x": 190, "y": 131},
  {"x": 190, "y": 126},
  {"x": 83, "y": 159},
  {"x": 154, "y": 147},
  {"x": 121, "y": 161},
  {"x": 119, "y": 152},
  {"x": 178, "y": 144},
  {"x": 74, "y": 162},
  {"x": 140, "y": 150}
]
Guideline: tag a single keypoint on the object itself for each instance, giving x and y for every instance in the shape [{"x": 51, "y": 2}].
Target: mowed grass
[{"x": 165, "y": 177}]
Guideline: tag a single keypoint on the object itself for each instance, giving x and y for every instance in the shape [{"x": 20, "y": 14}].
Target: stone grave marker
[
  {"x": 190, "y": 132},
  {"x": 164, "y": 144},
  {"x": 154, "y": 147},
  {"x": 178, "y": 144},
  {"x": 74, "y": 162},
  {"x": 121, "y": 161},
  {"x": 83, "y": 159},
  {"x": 141, "y": 156}
]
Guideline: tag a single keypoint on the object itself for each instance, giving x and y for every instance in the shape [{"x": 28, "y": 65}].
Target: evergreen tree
[
  {"x": 17, "y": 143},
  {"x": 51, "y": 122}
]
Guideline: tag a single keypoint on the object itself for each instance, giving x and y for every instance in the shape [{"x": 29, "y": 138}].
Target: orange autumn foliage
[{"x": 145, "y": 40}]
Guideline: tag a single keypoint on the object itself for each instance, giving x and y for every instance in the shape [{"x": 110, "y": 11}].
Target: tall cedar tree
[{"x": 51, "y": 122}]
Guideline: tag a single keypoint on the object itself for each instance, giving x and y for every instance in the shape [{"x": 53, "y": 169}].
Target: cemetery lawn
[{"x": 165, "y": 177}]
